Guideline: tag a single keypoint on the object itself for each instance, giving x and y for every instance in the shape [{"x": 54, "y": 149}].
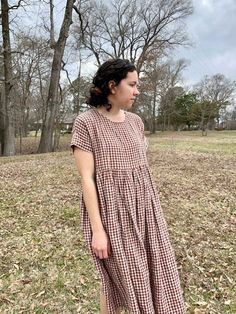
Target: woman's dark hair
[{"x": 111, "y": 70}]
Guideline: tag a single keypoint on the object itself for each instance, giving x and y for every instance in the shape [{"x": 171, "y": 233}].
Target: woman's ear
[{"x": 112, "y": 86}]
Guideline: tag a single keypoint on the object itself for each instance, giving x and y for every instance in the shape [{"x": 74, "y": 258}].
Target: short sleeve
[
  {"x": 145, "y": 140},
  {"x": 80, "y": 136}
]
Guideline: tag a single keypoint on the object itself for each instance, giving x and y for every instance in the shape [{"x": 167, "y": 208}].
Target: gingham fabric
[{"x": 141, "y": 273}]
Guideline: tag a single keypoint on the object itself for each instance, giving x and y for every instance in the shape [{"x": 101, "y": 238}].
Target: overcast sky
[{"x": 212, "y": 29}]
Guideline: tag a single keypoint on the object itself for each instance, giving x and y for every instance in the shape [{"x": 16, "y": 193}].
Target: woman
[{"x": 121, "y": 217}]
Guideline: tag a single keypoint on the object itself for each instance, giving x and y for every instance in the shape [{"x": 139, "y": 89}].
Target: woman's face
[{"x": 125, "y": 93}]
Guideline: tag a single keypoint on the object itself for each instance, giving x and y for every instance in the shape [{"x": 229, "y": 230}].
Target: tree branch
[
  {"x": 67, "y": 74},
  {"x": 16, "y": 6},
  {"x": 82, "y": 27},
  {"x": 52, "y": 30}
]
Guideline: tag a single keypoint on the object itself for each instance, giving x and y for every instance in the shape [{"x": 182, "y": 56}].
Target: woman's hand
[{"x": 101, "y": 244}]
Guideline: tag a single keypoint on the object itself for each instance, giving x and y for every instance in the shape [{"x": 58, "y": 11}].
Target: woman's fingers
[
  {"x": 101, "y": 245},
  {"x": 101, "y": 253},
  {"x": 105, "y": 253}
]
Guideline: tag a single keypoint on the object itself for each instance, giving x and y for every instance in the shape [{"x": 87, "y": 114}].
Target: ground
[{"x": 44, "y": 264}]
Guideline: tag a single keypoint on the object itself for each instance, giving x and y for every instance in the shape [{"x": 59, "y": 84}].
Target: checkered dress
[{"x": 141, "y": 274}]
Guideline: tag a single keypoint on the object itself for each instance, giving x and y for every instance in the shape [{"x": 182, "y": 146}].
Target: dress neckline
[{"x": 106, "y": 118}]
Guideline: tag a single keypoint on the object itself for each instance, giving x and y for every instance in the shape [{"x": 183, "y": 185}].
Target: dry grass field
[{"x": 44, "y": 265}]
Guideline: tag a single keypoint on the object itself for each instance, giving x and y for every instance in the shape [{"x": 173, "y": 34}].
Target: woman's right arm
[{"x": 85, "y": 164}]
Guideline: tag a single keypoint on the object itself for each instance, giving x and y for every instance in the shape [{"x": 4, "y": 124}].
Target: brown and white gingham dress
[{"x": 141, "y": 274}]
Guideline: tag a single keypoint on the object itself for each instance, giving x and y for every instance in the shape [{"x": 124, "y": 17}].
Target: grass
[
  {"x": 44, "y": 264},
  {"x": 215, "y": 142}
]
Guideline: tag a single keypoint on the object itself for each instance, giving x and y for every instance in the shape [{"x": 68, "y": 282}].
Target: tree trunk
[
  {"x": 46, "y": 140},
  {"x": 9, "y": 125},
  {"x": 56, "y": 139},
  {"x": 77, "y": 104},
  {"x": 154, "y": 112},
  {"x": 25, "y": 122},
  {"x": 168, "y": 122},
  {"x": 57, "y": 131},
  {"x": 164, "y": 122},
  {"x": 203, "y": 124},
  {"x": 2, "y": 115}
]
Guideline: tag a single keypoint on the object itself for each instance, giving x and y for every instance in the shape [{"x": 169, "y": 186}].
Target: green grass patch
[{"x": 215, "y": 142}]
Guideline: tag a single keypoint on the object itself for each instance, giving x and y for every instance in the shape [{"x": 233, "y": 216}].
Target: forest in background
[{"x": 42, "y": 41}]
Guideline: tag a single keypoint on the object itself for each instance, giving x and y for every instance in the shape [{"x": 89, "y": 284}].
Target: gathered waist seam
[{"x": 121, "y": 170}]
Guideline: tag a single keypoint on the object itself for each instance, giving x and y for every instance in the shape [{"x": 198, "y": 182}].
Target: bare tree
[
  {"x": 2, "y": 106},
  {"x": 7, "y": 120},
  {"x": 32, "y": 59},
  {"x": 133, "y": 29},
  {"x": 214, "y": 94},
  {"x": 151, "y": 82},
  {"x": 46, "y": 140},
  {"x": 170, "y": 91},
  {"x": 160, "y": 80},
  {"x": 8, "y": 131}
]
